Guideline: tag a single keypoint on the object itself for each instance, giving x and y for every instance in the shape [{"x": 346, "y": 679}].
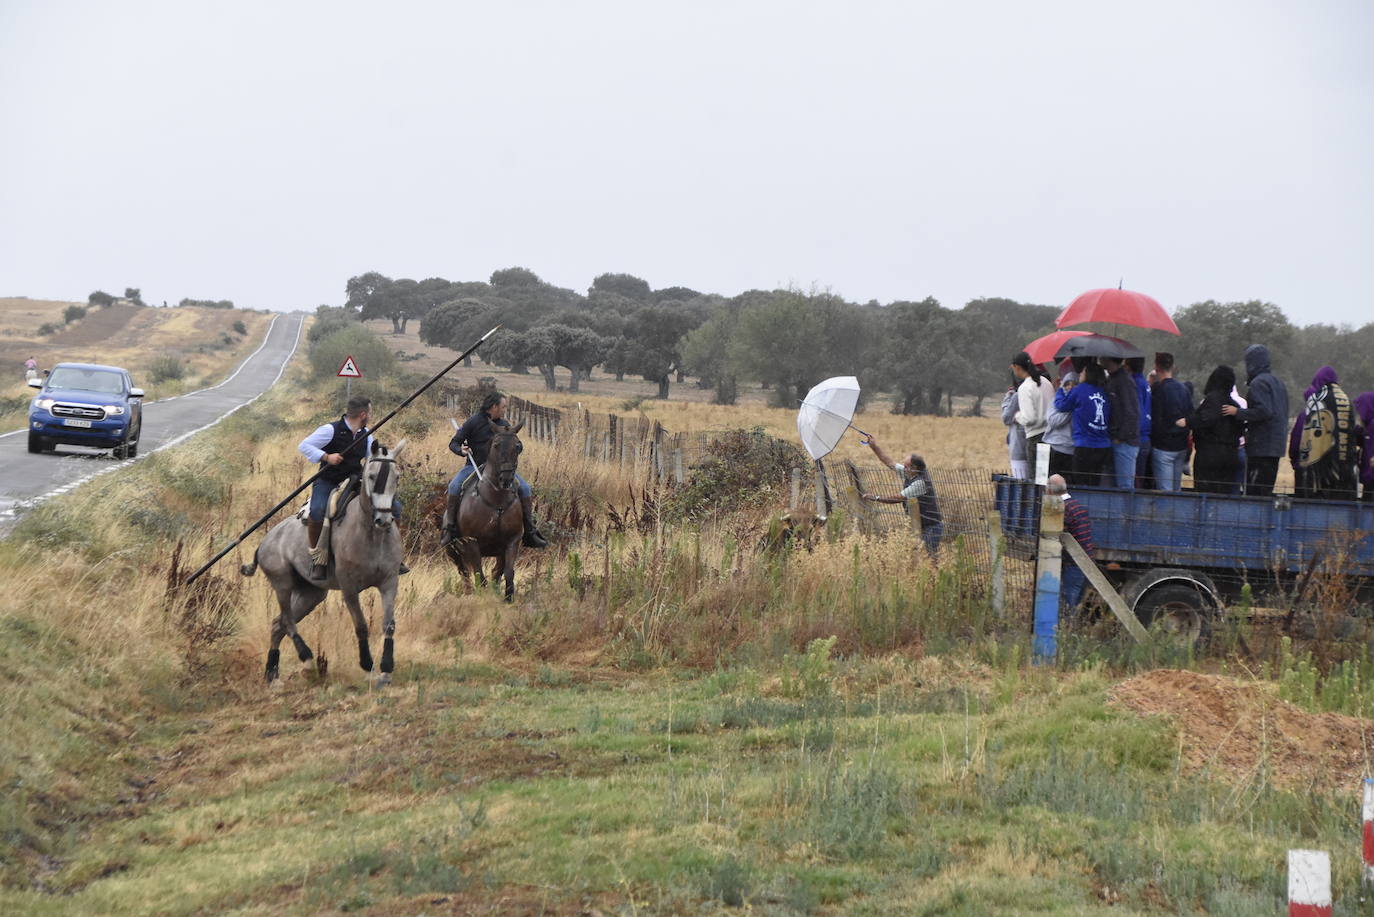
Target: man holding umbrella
[{"x": 916, "y": 485}]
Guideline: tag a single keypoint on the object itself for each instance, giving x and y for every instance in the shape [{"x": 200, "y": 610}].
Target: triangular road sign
[{"x": 350, "y": 370}]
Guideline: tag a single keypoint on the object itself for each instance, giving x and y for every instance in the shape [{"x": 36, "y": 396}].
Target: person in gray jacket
[
  {"x": 1266, "y": 422},
  {"x": 1016, "y": 437}
]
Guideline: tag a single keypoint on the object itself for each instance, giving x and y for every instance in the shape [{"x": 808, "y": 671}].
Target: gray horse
[{"x": 366, "y": 549}]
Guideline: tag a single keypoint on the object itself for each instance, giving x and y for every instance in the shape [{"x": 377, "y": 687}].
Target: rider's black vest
[{"x": 352, "y": 459}]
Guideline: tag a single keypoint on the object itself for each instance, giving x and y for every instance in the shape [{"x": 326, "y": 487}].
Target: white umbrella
[{"x": 825, "y": 414}]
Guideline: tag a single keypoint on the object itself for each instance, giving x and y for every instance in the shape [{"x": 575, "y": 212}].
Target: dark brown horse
[{"x": 490, "y": 523}]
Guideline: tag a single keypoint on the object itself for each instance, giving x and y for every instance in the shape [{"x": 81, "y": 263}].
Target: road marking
[{"x": 14, "y": 509}]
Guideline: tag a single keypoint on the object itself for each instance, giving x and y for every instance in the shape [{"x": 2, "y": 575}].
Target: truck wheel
[
  {"x": 127, "y": 449},
  {"x": 36, "y": 443},
  {"x": 1177, "y": 610}
]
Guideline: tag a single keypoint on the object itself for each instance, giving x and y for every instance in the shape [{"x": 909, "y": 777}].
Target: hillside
[{"x": 204, "y": 341}]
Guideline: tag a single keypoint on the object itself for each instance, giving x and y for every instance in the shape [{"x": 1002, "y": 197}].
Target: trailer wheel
[{"x": 1178, "y": 610}]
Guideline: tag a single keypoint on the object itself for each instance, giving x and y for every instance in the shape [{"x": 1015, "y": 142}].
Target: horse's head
[
  {"x": 379, "y": 481},
  {"x": 504, "y": 455}
]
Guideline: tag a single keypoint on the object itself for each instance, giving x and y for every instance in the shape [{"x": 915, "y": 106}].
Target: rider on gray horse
[
  {"x": 471, "y": 442},
  {"x": 329, "y": 446}
]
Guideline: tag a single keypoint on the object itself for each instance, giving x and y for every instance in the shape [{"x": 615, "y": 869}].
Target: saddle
[{"x": 339, "y": 499}]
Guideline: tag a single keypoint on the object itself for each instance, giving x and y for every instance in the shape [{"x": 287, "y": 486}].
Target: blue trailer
[{"x": 1187, "y": 554}]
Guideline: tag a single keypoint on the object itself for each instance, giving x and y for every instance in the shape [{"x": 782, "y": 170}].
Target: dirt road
[{"x": 29, "y": 479}]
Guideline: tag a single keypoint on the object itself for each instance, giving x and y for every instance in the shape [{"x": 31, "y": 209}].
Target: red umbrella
[
  {"x": 1042, "y": 350},
  {"x": 1121, "y": 307}
]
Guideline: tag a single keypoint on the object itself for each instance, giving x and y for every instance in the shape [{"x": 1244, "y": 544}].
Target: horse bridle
[
  {"x": 495, "y": 475},
  {"x": 382, "y": 474}
]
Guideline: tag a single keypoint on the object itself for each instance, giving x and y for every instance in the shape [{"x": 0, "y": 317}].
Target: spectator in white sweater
[{"x": 1034, "y": 400}]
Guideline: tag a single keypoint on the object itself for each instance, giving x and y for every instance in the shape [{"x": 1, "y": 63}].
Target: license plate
[{"x": 72, "y": 422}]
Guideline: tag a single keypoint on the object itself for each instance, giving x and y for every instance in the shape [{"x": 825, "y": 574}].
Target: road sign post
[{"x": 349, "y": 371}]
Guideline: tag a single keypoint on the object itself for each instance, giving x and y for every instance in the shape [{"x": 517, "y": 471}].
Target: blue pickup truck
[
  {"x": 1186, "y": 554},
  {"x": 87, "y": 404}
]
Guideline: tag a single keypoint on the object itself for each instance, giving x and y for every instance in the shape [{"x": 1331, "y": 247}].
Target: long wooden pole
[{"x": 360, "y": 438}]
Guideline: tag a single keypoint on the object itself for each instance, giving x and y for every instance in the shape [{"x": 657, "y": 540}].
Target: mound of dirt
[{"x": 1234, "y": 728}]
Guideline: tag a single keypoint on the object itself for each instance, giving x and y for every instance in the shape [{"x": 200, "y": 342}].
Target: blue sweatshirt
[
  {"x": 1090, "y": 414},
  {"x": 1143, "y": 389}
]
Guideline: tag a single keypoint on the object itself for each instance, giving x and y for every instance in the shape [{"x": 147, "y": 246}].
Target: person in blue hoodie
[{"x": 1091, "y": 415}]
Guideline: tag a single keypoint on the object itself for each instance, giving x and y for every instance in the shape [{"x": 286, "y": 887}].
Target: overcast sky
[{"x": 265, "y": 152}]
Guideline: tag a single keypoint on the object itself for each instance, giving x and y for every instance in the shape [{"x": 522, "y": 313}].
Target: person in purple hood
[
  {"x": 1328, "y": 450},
  {"x": 1364, "y": 409}
]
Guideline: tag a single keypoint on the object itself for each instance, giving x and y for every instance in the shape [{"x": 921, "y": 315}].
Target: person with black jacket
[
  {"x": 471, "y": 443},
  {"x": 1170, "y": 403},
  {"x": 1123, "y": 420},
  {"x": 1266, "y": 422},
  {"x": 1216, "y": 434}
]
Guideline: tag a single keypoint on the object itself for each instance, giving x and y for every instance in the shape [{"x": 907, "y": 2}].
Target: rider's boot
[
  {"x": 450, "y": 533},
  {"x": 313, "y": 527},
  {"x": 532, "y": 537}
]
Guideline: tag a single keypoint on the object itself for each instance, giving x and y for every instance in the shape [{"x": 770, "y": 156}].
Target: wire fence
[{"x": 966, "y": 498}]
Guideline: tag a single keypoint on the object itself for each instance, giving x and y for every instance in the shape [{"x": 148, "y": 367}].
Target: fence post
[
  {"x": 679, "y": 472},
  {"x": 1048, "y": 559},
  {"x": 999, "y": 566},
  {"x": 1309, "y": 883},
  {"x": 822, "y": 491},
  {"x": 1367, "y": 833},
  {"x": 796, "y": 488}
]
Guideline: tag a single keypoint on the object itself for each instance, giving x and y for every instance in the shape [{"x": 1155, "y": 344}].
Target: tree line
[{"x": 920, "y": 352}]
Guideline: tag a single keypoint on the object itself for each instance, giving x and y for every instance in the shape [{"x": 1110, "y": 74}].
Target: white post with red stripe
[
  {"x": 1367, "y": 832},
  {"x": 1309, "y": 883}
]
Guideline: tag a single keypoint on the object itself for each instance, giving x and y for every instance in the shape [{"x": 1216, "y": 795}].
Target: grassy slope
[
  {"x": 512, "y": 769},
  {"x": 126, "y": 336}
]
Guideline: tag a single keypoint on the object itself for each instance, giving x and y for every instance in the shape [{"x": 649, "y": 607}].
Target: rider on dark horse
[
  {"x": 329, "y": 445},
  {"x": 471, "y": 443}
]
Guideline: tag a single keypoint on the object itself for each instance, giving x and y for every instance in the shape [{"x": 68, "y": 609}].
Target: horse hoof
[
  {"x": 275, "y": 686},
  {"x": 383, "y": 680}
]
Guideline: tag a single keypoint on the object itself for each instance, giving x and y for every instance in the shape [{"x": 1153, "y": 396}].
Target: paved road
[{"x": 28, "y": 479}]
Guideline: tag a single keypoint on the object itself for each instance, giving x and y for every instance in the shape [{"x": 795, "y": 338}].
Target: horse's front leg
[
  {"x": 388, "y": 591},
  {"x": 508, "y": 566},
  {"x": 472, "y": 559},
  {"x": 355, "y": 609}
]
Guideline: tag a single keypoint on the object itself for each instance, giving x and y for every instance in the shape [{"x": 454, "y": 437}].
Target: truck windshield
[{"x": 87, "y": 380}]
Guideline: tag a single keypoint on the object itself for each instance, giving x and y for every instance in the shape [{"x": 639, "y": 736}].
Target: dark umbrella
[{"x": 1098, "y": 345}]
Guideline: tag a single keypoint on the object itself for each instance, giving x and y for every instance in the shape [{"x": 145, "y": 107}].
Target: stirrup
[{"x": 448, "y": 536}]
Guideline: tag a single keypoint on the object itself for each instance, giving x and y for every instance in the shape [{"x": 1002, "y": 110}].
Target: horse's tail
[{"x": 250, "y": 569}]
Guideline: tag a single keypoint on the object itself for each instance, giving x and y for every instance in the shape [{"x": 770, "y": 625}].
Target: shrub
[
  {"x": 166, "y": 367},
  {"x": 100, "y": 298},
  {"x": 240, "y": 328},
  {"x": 742, "y": 469},
  {"x": 73, "y": 314},
  {"x": 371, "y": 355},
  {"x": 48, "y": 328}
]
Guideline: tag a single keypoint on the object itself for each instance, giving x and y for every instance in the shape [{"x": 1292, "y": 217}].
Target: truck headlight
[
  {"x": 114, "y": 410},
  {"x": 45, "y": 403}
]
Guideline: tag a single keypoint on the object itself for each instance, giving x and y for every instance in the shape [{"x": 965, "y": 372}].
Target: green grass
[{"x": 672, "y": 791}]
